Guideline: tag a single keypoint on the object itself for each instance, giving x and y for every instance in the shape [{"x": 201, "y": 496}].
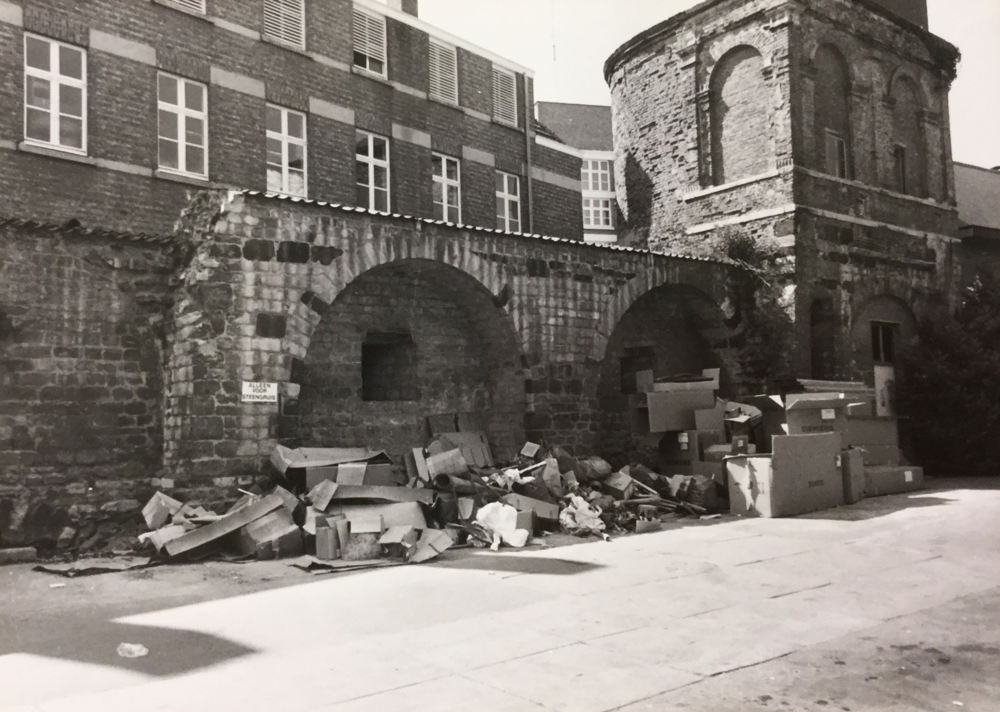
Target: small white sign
[
  {"x": 258, "y": 392},
  {"x": 828, "y": 414},
  {"x": 908, "y": 475}
]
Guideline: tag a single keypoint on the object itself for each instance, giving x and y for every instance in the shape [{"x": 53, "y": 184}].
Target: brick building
[
  {"x": 819, "y": 128},
  {"x": 116, "y": 112},
  {"x": 584, "y": 131}
]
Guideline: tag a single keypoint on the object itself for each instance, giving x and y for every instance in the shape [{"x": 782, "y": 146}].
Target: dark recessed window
[
  {"x": 635, "y": 359},
  {"x": 884, "y": 341},
  {"x": 899, "y": 168},
  {"x": 389, "y": 367}
]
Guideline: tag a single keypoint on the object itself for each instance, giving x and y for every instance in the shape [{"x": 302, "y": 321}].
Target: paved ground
[{"x": 893, "y": 604}]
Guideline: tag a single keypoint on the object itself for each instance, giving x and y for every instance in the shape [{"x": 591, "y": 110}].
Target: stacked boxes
[{"x": 877, "y": 439}]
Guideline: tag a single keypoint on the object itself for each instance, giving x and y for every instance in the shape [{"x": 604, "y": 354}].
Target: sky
[{"x": 567, "y": 41}]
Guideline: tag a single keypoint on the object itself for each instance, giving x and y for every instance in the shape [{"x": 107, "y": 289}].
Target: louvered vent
[
  {"x": 285, "y": 22},
  {"x": 369, "y": 42},
  {"x": 444, "y": 72},
  {"x": 197, "y": 6},
  {"x": 504, "y": 96}
]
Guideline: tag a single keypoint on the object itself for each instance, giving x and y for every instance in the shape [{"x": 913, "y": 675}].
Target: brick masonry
[
  {"x": 117, "y": 184},
  {"x": 688, "y": 175}
]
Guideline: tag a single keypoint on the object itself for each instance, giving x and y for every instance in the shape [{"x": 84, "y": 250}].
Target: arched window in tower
[
  {"x": 908, "y": 152},
  {"x": 831, "y": 118},
  {"x": 739, "y": 116}
]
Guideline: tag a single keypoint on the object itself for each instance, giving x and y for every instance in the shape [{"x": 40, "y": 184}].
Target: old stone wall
[
  {"x": 291, "y": 292},
  {"x": 82, "y": 322}
]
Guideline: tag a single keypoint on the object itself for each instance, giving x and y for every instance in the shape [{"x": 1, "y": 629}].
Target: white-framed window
[
  {"x": 596, "y": 175},
  {"x": 447, "y": 188},
  {"x": 836, "y": 154},
  {"x": 195, "y": 6},
  {"x": 182, "y": 121},
  {"x": 286, "y": 151},
  {"x": 372, "y": 171},
  {"x": 55, "y": 94},
  {"x": 443, "y": 66},
  {"x": 597, "y": 213},
  {"x": 285, "y": 22},
  {"x": 508, "y": 202},
  {"x": 504, "y": 96},
  {"x": 368, "y": 33}
]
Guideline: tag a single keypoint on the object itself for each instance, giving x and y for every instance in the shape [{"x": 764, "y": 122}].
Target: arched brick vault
[{"x": 267, "y": 269}]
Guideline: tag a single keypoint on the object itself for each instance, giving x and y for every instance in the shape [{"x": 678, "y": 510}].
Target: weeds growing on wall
[
  {"x": 760, "y": 315},
  {"x": 952, "y": 393}
]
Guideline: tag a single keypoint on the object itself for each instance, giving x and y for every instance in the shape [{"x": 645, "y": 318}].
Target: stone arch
[
  {"x": 908, "y": 157},
  {"x": 738, "y": 115},
  {"x": 885, "y": 309},
  {"x": 669, "y": 329},
  {"x": 634, "y": 289},
  {"x": 380, "y": 246},
  {"x": 404, "y": 339},
  {"x": 832, "y": 134}
]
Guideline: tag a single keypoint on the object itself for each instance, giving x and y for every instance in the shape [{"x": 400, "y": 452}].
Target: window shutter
[
  {"x": 504, "y": 96},
  {"x": 197, "y": 6},
  {"x": 369, "y": 35},
  {"x": 284, "y": 21},
  {"x": 443, "y": 62}
]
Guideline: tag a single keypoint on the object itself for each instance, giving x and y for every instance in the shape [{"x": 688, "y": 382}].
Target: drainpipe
[{"x": 528, "y": 116}]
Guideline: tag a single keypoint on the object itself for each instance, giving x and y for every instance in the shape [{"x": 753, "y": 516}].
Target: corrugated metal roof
[
  {"x": 476, "y": 228},
  {"x": 977, "y": 191},
  {"x": 76, "y": 230}
]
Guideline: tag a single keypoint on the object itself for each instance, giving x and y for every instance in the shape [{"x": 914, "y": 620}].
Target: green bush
[{"x": 952, "y": 388}]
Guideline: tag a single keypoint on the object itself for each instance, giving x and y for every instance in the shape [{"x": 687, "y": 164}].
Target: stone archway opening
[
  {"x": 882, "y": 331},
  {"x": 672, "y": 329},
  {"x": 402, "y": 341}
]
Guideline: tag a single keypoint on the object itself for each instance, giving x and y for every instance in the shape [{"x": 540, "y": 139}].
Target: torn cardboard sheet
[
  {"x": 211, "y": 533},
  {"x": 91, "y": 567},
  {"x": 284, "y": 458}
]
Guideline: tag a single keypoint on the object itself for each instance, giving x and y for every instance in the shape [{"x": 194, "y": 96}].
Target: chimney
[{"x": 407, "y": 6}]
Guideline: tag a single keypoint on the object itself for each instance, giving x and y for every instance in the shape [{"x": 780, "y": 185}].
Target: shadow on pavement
[
  {"x": 873, "y": 507},
  {"x": 518, "y": 564},
  {"x": 171, "y": 651}
]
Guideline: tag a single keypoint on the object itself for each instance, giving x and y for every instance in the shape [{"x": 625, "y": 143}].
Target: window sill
[
  {"x": 192, "y": 13},
  {"x": 298, "y": 49},
  {"x": 506, "y": 124},
  {"x": 182, "y": 178},
  {"x": 362, "y": 72},
  {"x": 53, "y": 152},
  {"x": 731, "y": 186},
  {"x": 444, "y": 102}
]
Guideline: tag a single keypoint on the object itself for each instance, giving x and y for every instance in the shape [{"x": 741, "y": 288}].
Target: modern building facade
[
  {"x": 819, "y": 129},
  {"x": 115, "y": 112},
  {"x": 584, "y": 131}
]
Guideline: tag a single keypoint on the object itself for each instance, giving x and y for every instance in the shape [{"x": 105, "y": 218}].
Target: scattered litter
[
  {"x": 132, "y": 650},
  {"x": 91, "y": 567},
  {"x": 57, "y": 585}
]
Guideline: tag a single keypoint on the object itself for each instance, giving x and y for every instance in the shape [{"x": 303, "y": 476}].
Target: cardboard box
[
  {"x": 853, "y": 466},
  {"x": 717, "y": 453},
  {"x": 473, "y": 446},
  {"x": 546, "y": 511},
  {"x": 711, "y": 418},
  {"x": 619, "y": 485},
  {"x": 526, "y": 520},
  {"x": 877, "y": 437},
  {"x": 710, "y": 382},
  {"x": 351, "y": 473},
  {"x": 393, "y": 515},
  {"x": 674, "y": 410},
  {"x": 687, "y": 445},
  {"x": 893, "y": 480},
  {"x": 771, "y": 422},
  {"x": 802, "y": 475},
  {"x": 815, "y": 415}
]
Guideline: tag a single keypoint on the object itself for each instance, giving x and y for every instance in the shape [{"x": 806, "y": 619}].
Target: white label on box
[
  {"x": 828, "y": 414},
  {"x": 257, "y": 392},
  {"x": 682, "y": 437},
  {"x": 908, "y": 475}
]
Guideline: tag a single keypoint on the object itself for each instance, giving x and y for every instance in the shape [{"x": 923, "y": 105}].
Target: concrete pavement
[{"x": 891, "y": 604}]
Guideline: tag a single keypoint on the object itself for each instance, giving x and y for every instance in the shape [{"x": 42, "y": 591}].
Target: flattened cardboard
[
  {"x": 322, "y": 494},
  {"x": 474, "y": 447},
  {"x": 270, "y": 527},
  {"x": 525, "y": 520},
  {"x": 159, "y": 509},
  {"x": 893, "y": 480},
  {"x": 450, "y": 462},
  {"x": 530, "y": 449},
  {"x": 393, "y": 515},
  {"x": 284, "y": 458},
  {"x": 359, "y": 473},
  {"x": 215, "y": 531},
  {"x": 351, "y": 473},
  {"x": 421, "y": 465},
  {"x": 644, "y": 526},
  {"x": 432, "y": 542},
  {"x": 853, "y": 467},
  {"x": 674, "y": 410},
  {"x": 382, "y": 494},
  {"x": 545, "y": 511},
  {"x": 708, "y": 419}
]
